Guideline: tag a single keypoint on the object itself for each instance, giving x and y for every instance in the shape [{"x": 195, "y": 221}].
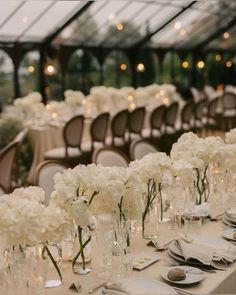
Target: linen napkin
[
  {"x": 205, "y": 252},
  {"x": 114, "y": 288},
  {"x": 231, "y": 213}
]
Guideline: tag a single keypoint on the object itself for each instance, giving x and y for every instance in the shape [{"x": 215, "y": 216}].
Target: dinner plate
[
  {"x": 231, "y": 220},
  {"x": 228, "y": 234},
  {"x": 228, "y": 222},
  {"x": 147, "y": 286},
  {"x": 193, "y": 275}
]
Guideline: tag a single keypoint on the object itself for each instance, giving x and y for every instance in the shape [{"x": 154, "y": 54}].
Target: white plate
[
  {"x": 147, "y": 286},
  {"x": 193, "y": 275},
  {"x": 228, "y": 234}
]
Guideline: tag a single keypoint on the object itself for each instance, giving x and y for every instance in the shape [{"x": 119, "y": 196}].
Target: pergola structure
[{"x": 183, "y": 26}]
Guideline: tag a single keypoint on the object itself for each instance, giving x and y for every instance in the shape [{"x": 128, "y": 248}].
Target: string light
[
  {"x": 200, "y": 64},
  {"x": 185, "y": 64},
  {"x": 50, "y": 70},
  {"x": 120, "y": 26},
  {"x": 140, "y": 67},
  {"x": 218, "y": 57},
  {"x": 123, "y": 67},
  {"x": 182, "y": 32},
  {"x": 228, "y": 64},
  {"x": 31, "y": 69},
  {"x": 177, "y": 25},
  {"x": 226, "y": 35}
]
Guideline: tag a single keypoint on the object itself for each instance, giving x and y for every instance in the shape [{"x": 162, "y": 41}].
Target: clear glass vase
[
  {"x": 150, "y": 218},
  {"x": 82, "y": 251},
  {"x": 52, "y": 253}
]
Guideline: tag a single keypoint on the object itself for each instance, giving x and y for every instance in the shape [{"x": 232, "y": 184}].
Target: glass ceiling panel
[
  {"x": 195, "y": 25},
  {"x": 221, "y": 43},
  {"x": 30, "y": 20},
  {"x": 120, "y": 22}
]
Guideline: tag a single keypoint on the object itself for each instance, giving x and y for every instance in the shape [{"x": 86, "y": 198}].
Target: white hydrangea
[{"x": 230, "y": 137}]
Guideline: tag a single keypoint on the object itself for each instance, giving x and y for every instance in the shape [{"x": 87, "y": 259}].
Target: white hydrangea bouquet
[{"x": 152, "y": 172}]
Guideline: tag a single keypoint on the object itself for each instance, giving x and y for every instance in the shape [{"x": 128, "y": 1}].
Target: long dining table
[{"x": 220, "y": 282}]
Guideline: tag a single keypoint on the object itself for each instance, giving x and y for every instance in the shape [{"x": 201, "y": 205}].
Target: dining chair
[
  {"x": 109, "y": 157},
  {"x": 72, "y": 135},
  {"x": 213, "y": 118},
  {"x": 170, "y": 118},
  {"x": 98, "y": 130},
  {"x": 119, "y": 127},
  {"x": 157, "y": 120},
  {"x": 8, "y": 157},
  {"x": 187, "y": 116},
  {"x": 136, "y": 122},
  {"x": 139, "y": 148},
  {"x": 45, "y": 172},
  {"x": 200, "y": 114},
  {"x": 229, "y": 110}
]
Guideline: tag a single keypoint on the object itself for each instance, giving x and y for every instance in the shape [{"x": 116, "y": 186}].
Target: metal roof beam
[
  {"x": 54, "y": 34},
  {"x": 150, "y": 35}
]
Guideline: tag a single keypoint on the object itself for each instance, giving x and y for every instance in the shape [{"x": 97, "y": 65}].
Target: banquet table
[{"x": 221, "y": 282}]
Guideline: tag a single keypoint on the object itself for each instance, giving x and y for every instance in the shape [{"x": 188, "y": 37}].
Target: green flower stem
[
  {"x": 161, "y": 200},
  {"x": 46, "y": 249},
  {"x": 82, "y": 246},
  {"x": 151, "y": 195}
]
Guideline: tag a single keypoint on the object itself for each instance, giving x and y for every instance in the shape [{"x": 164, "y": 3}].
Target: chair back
[
  {"x": 229, "y": 101},
  {"x": 171, "y": 114},
  {"x": 187, "y": 113},
  {"x": 21, "y": 135},
  {"x": 199, "y": 109},
  {"x": 98, "y": 129},
  {"x": 8, "y": 157},
  {"x": 212, "y": 108},
  {"x": 73, "y": 131},
  {"x": 136, "y": 120},
  {"x": 45, "y": 173},
  {"x": 157, "y": 117},
  {"x": 109, "y": 157},
  {"x": 119, "y": 124},
  {"x": 139, "y": 148}
]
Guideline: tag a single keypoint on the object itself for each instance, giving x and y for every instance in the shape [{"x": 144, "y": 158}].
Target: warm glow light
[
  {"x": 185, "y": 64},
  {"x": 25, "y": 19},
  {"x": 200, "y": 64},
  {"x": 84, "y": 101},
  {"x": 226, "y": 35},
  {"x": 31, "y": 69},
  {"x": 123, "y": 67},
  {"x": 50, "y": 70},
  {"x": 183, "y": 32},
  {"x": 218, "y": 57},
  {"x": 132, "y": 106},
  {"x": 162, "y": 92},
  {"x": 130, "y": 97},
  {"x": 228, "y": 64},
  {"x": 120, "y": 27},
  {"x": 54, "y": 115},
  {"x": 177, "y": 25},
  {"x": 48, "y": 107},
  {"x": 111, "y": 16},
  {"x": 140, "y": 67},
  {"x": 165, "y": 100}
]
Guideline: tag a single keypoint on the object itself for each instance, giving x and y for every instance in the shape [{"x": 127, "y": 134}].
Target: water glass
[{"x": 192, "y": 227}]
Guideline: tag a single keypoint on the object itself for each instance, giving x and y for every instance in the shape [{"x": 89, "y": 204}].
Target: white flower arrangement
[
  {"x": 73, "y": 98},
  {"x": 230, "y": 137},
  {"x": 25, "y": 220}
]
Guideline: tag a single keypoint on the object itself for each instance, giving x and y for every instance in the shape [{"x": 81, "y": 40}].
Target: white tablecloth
[{"x": 221, "y": 282}]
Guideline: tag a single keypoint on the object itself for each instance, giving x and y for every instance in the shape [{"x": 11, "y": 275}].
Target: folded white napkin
[
  {"x": 231, "y": 213},
  {"x": 114, "y": 288},
  {"x": 206, "y": 251}
]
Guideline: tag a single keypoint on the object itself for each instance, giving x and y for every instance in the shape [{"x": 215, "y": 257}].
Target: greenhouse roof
[{"x": 176, "y": 24}]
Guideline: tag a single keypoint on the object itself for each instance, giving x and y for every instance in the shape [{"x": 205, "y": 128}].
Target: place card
[{"x": 142, "y": 261}]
